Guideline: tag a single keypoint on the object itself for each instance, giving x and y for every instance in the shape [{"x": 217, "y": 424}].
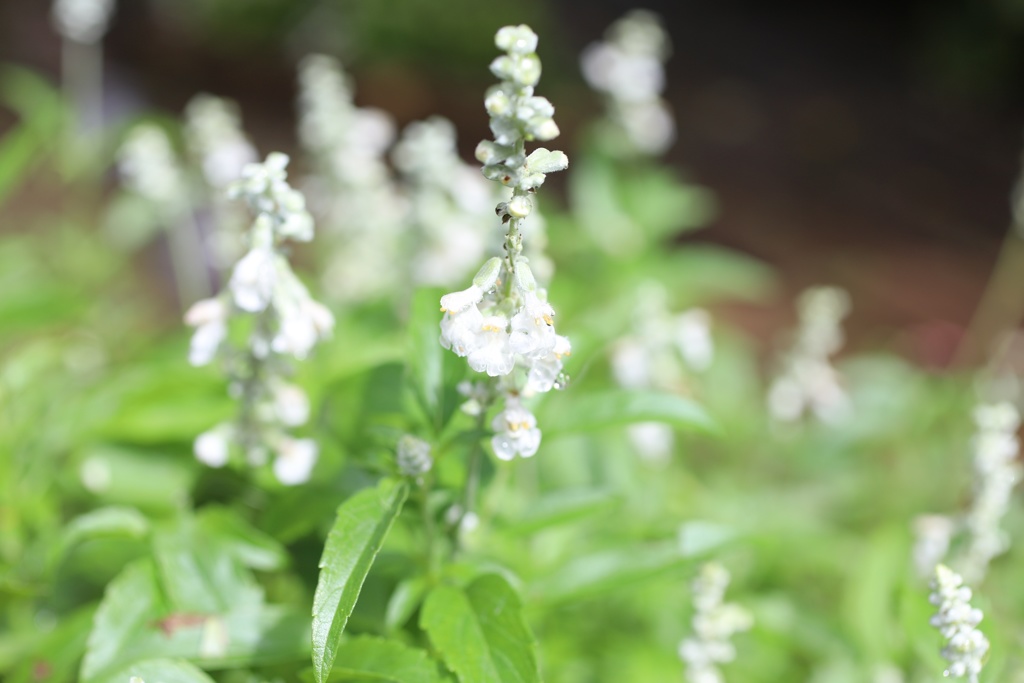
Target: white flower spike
[
  {"x": 503, "y": 323},
  {"x": 285, "y": 324},
  {"x": 966, "y": 646}
]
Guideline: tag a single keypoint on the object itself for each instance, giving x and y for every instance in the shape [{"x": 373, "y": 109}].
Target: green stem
[
  {"x": 429, "y": 528},
  {"x": 1001, "y": 306}
]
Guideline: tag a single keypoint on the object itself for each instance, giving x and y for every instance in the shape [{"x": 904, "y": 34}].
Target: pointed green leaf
[
  {"x": 366, "y": 658},
  {"x": 434, "y": 371},
  {"x": 104, "y": 522},
  {"x": 128, "y": 604},
  {"x": 142, "y": 616},
  {"x": 362, "y": 524},
  {"x": 481, "y": 632},
  {"x": 251, "y": 546},
  {"x": 160, "y": 671},
  {"x": 595, "y": 574},
  {"x": 562, "y": 507},
  {"x": 577, "y": 413}
]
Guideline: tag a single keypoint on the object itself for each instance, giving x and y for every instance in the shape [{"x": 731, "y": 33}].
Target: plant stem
[{"x": 1001, "y": 306}]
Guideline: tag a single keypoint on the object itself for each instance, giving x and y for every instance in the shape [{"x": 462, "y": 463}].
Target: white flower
[
  {"x": 996, "y": 472},
  {"x": 212, "y": 447},
  {"x": 150, "y": 167},
  {"x": 414, "y": 456},
  {"x": 216, "y": 139},
  {"x": 84, "y": 21},
  {"x": 490, "y": 351},
  {"x": 932, "y": 535},
  {"x": 302, "y": 324},
  {"x": 956, "y": 620},
  {"x": 254, "y": 279},
  {"x": 516, "y": 432},
  {"x": 295, "y": 460},
  {"x": 714, "y": 624},
  {"x": 533, "y": 331},
  {"x": 291, "y": 405},
  {"x": 209, "y": 317},
  {"x": 459, "y": 331},
  {"x": 543, "y": 373},
  {"x": 693, "y": 338},
  {"x": 456, "y": 302},
  {"x": 652, "y": 440},
  {"x": 630, "y": 361}
]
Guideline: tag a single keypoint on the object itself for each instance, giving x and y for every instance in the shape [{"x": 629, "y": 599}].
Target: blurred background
[{"x": 868, "y": 145}]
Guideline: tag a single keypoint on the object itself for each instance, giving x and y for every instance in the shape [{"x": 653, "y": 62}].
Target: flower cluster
[
  {"x": 361, "y": 209},
  {"x": 957, "y": 621},
  {"x": 628, "y": 67},
  {"x": 996, "y": 471},
  {"x": 284, "y": 322},
  {"x": 149, "y": 167},
  {"x": 808, "y": 381},
  {"x": 664, "y": 348},
  {"x": 503, "y": 324},
  {"x": 932, "y": 537},
  {"x": 83, "y": 21},
  {"x": 214, "y": 132},
  {"x": 220, "y": 149},
  {"x": 448, "y": 202},
  {"x": 714, "y": 624},
  {"x": 414, "y": 459}
]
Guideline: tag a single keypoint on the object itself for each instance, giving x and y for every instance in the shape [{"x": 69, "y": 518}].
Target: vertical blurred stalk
[
  {"x": 191, "y": 276},
  {"x": 82, "y": 76},
  {"x": 1001, "y": 307}
]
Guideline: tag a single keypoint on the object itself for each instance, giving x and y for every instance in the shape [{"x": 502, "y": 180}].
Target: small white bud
[{"x": 520, "y": 206}]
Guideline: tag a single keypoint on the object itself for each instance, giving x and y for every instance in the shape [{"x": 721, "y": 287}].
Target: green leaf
[
  {"x": 579, "y": 412},
  {"x": 103, "y": 522},
  {"x": 147, "y": 479},
  {"x": 481, "y": 632},
  {"x": 149, "y": 613},
  {"x": 598, "y": 573},
  {"x": 128, "y": 605},
  {"x": 562, "y": 507},
  {"x": 368, "y": 658},
  {"x": 251, "y": 546},
  {"x": 160, "y": 671},
  {"x": 355, "y": 539},
  {"x": 660, "y": 202},
  {"x": 406, "y": 597},
  {"x": 41, "y": 111},
  {"x": 197, "y": 577},
  {"x": 434, "y": 371}
]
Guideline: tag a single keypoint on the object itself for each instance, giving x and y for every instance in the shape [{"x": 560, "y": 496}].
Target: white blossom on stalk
[
  {"x": 83, "y": 21},
  {"x": 212, "y": 447},
  {"x": 294, "y": 460},
  {"x": 214, "y": 132},
  {"x": 361, "y": 211},
  {"x": 966, "y": 646},
  {"x": 714, "y": 624},
  {"x": 209, "y": 317},
  {"x": 932, "y": 536},
  {"x": 996, "y": 472},
  {"x": 449, "y": 202},
  {"x": 516, "y": 432},
  {"x": 285, "y": 323},
  {"x": 503, "y": 323},
  {"x": 808, "y": 383},
  {"x": 150, "y": 167},
  {"x": 628, "y": 67},
  {"x": 221, "y": 149},
  {"x": 414, "y": 459},
  {"x": 664, "y": 351}
]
